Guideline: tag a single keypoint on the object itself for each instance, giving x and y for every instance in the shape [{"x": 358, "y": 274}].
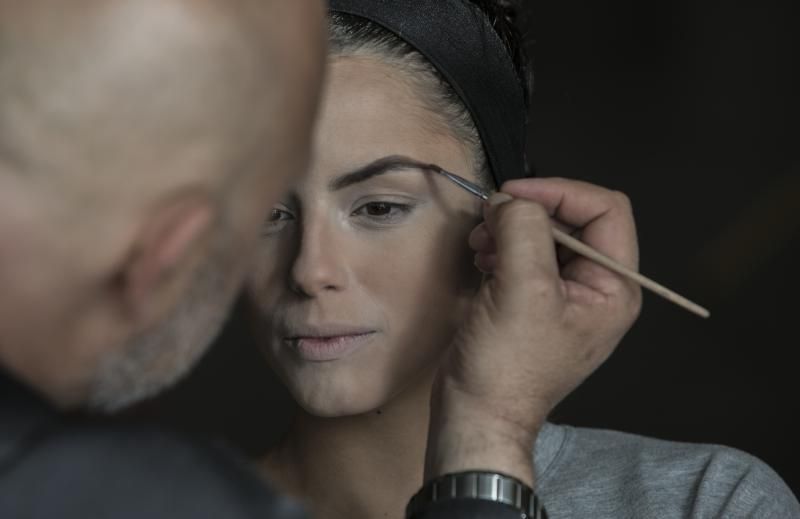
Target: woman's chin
[{"x": 330, "y": 405}]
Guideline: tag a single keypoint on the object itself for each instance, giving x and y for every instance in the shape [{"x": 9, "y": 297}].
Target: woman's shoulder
[{"x": 619, "y": 474}]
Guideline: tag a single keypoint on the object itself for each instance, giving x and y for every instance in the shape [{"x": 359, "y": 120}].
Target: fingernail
[{"x": 499, "y": 198}]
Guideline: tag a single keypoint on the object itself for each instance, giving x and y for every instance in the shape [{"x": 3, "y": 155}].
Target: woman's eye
[
  {"x": 278, "y": 215},
  {"x": 383, "y": 212},
  {"x": 378, "y": 209},
  {"x": 277, "y": 220}
]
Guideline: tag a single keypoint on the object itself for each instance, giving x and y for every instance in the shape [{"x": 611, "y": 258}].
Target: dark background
[{"x": 691, "y": 108}]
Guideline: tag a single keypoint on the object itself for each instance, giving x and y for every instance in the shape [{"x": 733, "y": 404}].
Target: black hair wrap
[{"x": 458, "y": 39}]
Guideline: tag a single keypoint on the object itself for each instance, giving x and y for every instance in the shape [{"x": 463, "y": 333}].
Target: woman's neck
[{"x": 357, "y": 466}]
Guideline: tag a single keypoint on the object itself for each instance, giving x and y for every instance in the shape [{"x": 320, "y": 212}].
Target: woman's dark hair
[
  {"x": 355, "y": 36},
  {"x": 507, "y": 20}
]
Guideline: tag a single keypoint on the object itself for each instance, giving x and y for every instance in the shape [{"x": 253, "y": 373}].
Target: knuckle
[
  {"x": 622, "y": 201},
  {"x": 532, "y": 289},
  {"x": 630, "y": 297},
  {"x": 635, "y": 306},
  {"x": 540, "y": 287},
  {"x": 629, "y": 307}
]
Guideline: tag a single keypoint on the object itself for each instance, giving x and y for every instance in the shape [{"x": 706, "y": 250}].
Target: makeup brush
[{"x": 584, "y": 250}]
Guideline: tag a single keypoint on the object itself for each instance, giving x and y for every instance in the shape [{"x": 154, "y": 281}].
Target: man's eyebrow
[{"x": 375, "y": 168}]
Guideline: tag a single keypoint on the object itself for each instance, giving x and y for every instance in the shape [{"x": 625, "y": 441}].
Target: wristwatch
[{"x": 478, "y": 485}]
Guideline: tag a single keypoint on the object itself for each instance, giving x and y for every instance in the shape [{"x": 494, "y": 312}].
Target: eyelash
[
  {"x": 397, "y": 213},
  {"x": 273, "y": 226}
]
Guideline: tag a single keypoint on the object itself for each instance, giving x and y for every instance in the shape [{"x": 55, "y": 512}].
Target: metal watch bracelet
[{"x": 478, "y": 485}]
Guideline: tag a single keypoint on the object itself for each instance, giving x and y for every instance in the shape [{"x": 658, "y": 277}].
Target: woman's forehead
[
  {"x": 368, "y": 97},
  {"x": 369, "y": 111}
]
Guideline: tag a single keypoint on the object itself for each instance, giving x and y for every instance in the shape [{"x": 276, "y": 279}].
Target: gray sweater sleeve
[
  {"x": 609, "y": 474},
  {"x": 736, "y": 484}
]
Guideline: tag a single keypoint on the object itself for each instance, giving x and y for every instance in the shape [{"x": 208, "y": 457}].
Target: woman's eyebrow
[{"x": 378, "y": 167}]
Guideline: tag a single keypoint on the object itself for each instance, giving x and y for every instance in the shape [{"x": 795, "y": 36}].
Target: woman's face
[{"x": 364, "y": 272}]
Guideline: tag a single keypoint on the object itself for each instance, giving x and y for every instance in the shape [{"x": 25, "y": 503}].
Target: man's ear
[{"x": 165, "y": 252}]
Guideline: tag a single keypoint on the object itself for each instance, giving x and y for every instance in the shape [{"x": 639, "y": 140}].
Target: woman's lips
[{"x": 328, "y": 348}]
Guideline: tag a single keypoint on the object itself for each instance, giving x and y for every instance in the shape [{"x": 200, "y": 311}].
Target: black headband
[{"x": 457, "y": 38}]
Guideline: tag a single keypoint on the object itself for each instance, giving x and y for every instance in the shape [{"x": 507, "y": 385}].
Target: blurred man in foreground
[{"x": 141, "y": 143}]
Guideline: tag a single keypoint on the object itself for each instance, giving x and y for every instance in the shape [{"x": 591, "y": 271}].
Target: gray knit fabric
[{"x": 606, "y": 474}]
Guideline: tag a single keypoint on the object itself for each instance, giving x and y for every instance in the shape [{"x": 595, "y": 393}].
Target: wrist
[
  {"x": 453, "y": 449},
  {"x": 468, "y": 433}
]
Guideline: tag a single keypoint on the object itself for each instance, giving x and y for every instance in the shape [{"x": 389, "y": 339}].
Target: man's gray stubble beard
[{"x": 155, "y": 360}]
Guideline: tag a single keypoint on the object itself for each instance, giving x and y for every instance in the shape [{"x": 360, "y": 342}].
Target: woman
[{"x": 365, "y": 275}]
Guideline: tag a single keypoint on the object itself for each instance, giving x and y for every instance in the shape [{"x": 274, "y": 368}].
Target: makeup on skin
[
  {"x": 399, "y": 163},
  {"x": 370, "y": 200}
]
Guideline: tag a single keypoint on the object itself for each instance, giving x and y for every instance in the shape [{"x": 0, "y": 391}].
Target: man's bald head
[
  {"x": 141, "y": 142},
  {"x": 96, "y": 79}
]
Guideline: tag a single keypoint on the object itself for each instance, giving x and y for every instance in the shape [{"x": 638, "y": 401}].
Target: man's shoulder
[
  {"x": 120, "y": 471},
  {"x": 651, "y": 475}
]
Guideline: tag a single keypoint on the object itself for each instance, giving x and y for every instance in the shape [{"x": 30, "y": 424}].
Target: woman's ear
[{"x": 163, "y": 256}]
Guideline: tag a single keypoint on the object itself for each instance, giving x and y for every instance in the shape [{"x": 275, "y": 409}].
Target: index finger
[{"x": 604, "y": 216}]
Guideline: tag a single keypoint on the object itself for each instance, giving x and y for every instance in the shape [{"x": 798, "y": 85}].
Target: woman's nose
[{"x": 318, "y": 266}]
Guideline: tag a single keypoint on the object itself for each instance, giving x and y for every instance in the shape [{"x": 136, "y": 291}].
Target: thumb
[{"x": 525, "y": 262}]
